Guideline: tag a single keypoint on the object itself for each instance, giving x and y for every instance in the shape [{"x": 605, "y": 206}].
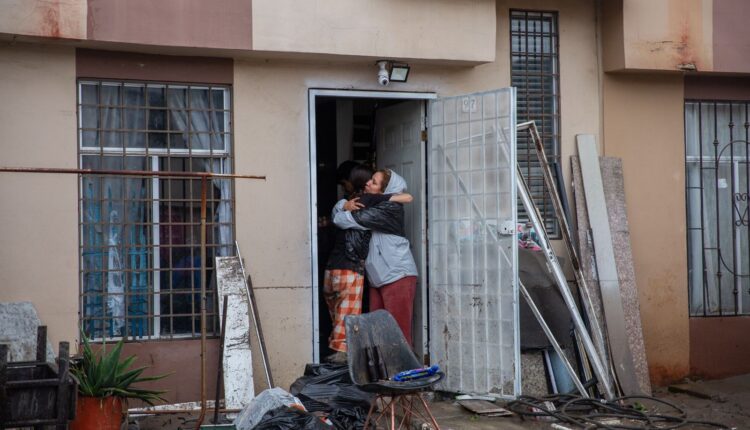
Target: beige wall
[
  {"x": 459, "y": 30},
  {"x": 658, "y": 34},
  {"x": 38, "y": 222},
  {"x": 45, "y": 18},
  {"x": 643, "y": 125}
]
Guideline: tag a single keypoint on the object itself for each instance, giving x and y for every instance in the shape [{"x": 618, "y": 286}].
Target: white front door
[
  {"x": 472, "y": 244},
  {"x": 398, "y": 130}
]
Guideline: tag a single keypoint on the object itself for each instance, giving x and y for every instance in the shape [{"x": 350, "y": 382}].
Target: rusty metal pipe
[
  {"x": 127, "y": 173},
  {"x": 204, "y": 301},
  {"x": 179, "y": 411}
]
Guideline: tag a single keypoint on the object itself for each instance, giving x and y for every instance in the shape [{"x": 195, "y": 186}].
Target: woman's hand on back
[{"x": 353, "y": 205}]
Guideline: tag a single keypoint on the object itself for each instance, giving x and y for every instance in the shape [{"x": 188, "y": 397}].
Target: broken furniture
[
  {"x": 36, "y": 393},
  {"x": 377, "y": 346}
]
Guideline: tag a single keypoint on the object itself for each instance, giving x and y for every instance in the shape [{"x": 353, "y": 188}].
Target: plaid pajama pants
[{"x": 342, "y": 290}]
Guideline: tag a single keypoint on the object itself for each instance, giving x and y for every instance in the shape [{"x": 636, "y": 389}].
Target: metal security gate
[
  {"x": 717, "y": 160},
  {"x": 473, "y": 283}
]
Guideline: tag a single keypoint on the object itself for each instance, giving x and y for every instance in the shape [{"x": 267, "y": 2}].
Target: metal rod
[
  {"x": 220, "y": 373},
  {"x": 256, "y": 318},
  {"x": 127, "y": 173},
  {"x": 549, "y": 181},
  {"x": 176, "y": 411},
  {"x": 204, "y": 301},
  {"x": 535, "y": 217},
  {"x": 552, "y": 340}
]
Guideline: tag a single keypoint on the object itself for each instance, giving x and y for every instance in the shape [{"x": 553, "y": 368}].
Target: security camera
[{"x": 383, "y": 78}]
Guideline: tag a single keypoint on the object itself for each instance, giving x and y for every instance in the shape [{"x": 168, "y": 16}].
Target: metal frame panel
[
  {"x": 473, "y": 256},
  {"x": 312, "y": 94}
]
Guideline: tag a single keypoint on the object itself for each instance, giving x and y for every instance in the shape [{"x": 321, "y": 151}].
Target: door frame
[{"x": 313, "y": 93}]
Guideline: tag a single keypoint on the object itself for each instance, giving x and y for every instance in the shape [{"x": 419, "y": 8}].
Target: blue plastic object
[{"x": 424, "y": 372}]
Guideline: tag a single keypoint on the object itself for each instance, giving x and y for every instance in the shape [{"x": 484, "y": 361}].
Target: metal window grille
[
  {"x": 717, "y": 161},
  {"x": 535, "y": 74},
  {"x": 139, "y": 237}
]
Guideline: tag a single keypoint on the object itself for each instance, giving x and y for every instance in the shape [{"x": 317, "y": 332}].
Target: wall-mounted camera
[{"x": 388, "y": 72}]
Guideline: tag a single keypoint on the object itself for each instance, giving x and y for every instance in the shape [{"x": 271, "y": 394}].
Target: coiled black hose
[{"x": 622, "y": 413}]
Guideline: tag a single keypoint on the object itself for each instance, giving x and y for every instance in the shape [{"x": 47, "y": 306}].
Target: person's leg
[
  {"x": 343, "y": 292},
  {"x": 398, "y": 299},
  {"x": 331, "y": 296},
  {"x": 376, "y": 299}
]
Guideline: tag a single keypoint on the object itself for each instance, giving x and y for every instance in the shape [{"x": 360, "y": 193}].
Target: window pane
[
  {"x": 134, "y": 95},
  {"x": 156, "y": 97},
  {"x": 89, "y": 117},
  {"x": 534, "y": 65},
  {"x": 718, "y": 215},
  {"x": 110, "y": 94},
  {"x": 141, "y": 235},
  {"x": 157, "y": 119},
  {"x": 89, "y": 94},
  {"x": 199, "y": 98},
  {"x": 177, "y": 97}
]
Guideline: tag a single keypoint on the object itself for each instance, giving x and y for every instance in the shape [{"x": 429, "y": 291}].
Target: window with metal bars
[
  {"x": 139, "y": 236},
  {"x": 717, "y": 179},
  {"x": 534, "y": 44}
]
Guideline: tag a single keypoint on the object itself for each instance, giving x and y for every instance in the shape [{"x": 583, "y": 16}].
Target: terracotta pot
[{"x": 97, "y": 413}]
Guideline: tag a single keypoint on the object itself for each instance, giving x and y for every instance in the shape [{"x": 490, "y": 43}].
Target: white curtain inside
[{"x": 205, "y": 127}]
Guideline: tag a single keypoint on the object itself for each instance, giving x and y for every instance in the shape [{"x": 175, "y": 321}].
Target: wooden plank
[
  {"x": 485, "y": 408},
  {"x": 606, "y": 265},
  {"x": 239, "y": 388}
]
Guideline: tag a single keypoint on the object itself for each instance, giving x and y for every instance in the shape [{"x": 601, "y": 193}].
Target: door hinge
[{"x": 424, "y": 136}]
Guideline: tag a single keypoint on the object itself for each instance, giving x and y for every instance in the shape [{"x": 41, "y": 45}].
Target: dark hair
[
  {"x": 344, "y": 170},
  {"x": 386, "y": 179},
  {"x": 359, "y": 177}
]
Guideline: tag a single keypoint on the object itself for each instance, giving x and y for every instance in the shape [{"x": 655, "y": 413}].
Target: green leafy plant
[{"x": 103, "y": 374}]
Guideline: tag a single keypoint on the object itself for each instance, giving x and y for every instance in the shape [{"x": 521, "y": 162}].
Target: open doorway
[
  {"x": 473, "y": 268},
  {"x": 380, "y": 130}
]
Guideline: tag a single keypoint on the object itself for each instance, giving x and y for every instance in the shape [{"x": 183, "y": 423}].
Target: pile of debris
[{"x": 324, "y": 398}]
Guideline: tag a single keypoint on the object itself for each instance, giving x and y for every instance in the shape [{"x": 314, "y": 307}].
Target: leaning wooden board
[
  {"x": 614, "y": 200},
  {"x": 238, "y": 364}
]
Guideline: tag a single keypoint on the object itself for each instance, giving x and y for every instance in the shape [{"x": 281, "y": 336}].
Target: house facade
[{"x": 269, "y": 87}]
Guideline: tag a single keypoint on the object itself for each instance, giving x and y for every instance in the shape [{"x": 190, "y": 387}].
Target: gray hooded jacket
[{"x": 389, "y": 258}]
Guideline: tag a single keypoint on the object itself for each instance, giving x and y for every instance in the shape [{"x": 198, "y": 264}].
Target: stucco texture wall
[
  {"x": 659, "y": 35},
  {"x": 38, "y": 223},
  {"x": 643, "y": 125},
  {"x": 424, "y": 29},
  {"x": 64, "y": 19}
]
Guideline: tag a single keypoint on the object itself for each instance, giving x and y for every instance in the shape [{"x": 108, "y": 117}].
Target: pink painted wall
[
  {"x": 731, "y": 35},
  {"x": 719, "y": 347},
  {"x": 223, "y": 24},
  {"x": 146, "y": 67}
]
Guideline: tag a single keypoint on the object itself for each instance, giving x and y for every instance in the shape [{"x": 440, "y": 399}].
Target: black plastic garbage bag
[
  {"x": 286, "y": 418},
  {"x": 329, "y": 388},
  {"x": 348, "y": 419},
  {"x": 326, "y": 387},
  {"x": 325, "y": 373}
]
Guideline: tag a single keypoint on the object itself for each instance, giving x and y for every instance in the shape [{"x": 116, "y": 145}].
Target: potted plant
[{"x": 105, "y": 382}]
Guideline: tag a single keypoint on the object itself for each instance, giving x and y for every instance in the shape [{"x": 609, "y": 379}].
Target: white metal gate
[{"x": 473, "y": 285}]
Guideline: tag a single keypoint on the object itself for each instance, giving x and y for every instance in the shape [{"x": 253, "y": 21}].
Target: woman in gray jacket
[{"x": 389, "y": 266}]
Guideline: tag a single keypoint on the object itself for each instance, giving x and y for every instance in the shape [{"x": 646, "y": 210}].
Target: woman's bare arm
[{"x": 401, "y": 198}]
